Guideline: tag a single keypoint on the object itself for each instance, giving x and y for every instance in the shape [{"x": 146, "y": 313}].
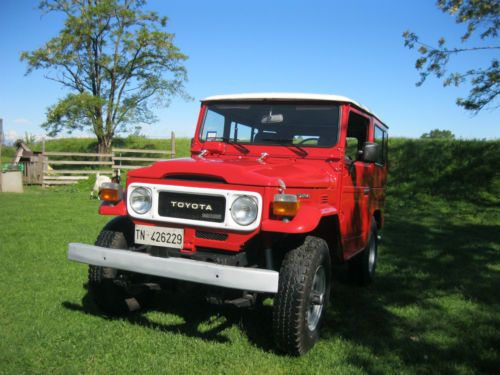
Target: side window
[
  {"x": 214, "y": 127},
  {"x": 351, "y": 147},
  {"x": 386, "y": 146},
  {"x": 381, "y": 139},
  {"x": 357, "y": 135}
]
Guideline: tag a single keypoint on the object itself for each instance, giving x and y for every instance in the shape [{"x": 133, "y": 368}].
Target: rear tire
[
  {"x": 362, "y": 266},
  {"x": 303, "y": 295},
  {"x": 108, "y": 286}
]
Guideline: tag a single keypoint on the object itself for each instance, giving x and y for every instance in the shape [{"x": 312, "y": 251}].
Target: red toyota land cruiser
[{"x": 277, "y": 189}]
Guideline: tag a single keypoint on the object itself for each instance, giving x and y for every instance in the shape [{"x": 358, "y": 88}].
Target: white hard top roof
[{"x": 288, "y": 96}]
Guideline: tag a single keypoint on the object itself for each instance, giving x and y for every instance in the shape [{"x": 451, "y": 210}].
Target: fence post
[
  {"x": 1, "y": 143},
  {"x": 42, "y": 165},
  {"x": 172, "y": 146}
]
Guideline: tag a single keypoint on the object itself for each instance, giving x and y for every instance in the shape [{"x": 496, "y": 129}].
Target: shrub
[{"x": 451, "y": 168}]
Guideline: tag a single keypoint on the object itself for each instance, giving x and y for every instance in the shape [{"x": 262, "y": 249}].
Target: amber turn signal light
[
  {"x": 110, "y": 192},
  {"x": 285, "y": 205}
]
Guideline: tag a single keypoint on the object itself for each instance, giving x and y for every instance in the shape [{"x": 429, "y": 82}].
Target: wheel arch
[
  {"x": 329, "y": 230},
  {"x": 122, "y": 224},
  {"x": 379, "y": 218}
]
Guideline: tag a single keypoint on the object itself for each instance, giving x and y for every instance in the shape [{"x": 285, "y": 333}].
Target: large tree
[
  {"x": 116, "y": 60},
  {"x": 480, "y": 17}
]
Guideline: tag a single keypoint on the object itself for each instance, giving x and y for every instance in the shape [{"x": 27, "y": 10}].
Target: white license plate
[{"x": 159, "y": 236}]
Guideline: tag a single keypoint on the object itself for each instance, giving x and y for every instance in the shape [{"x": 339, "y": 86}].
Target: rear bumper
[{"x": 250, "y": 279}]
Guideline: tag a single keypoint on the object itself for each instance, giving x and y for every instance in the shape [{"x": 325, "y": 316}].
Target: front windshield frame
[{"x": 328, "y": 139}]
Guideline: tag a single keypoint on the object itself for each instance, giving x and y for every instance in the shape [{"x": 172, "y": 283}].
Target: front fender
[
  {"x": 118, "y": 209},
  {"x": 306, "y": 220}
]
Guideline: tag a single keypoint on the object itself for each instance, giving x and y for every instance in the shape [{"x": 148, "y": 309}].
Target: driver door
[{"x": 355, "y": 185}]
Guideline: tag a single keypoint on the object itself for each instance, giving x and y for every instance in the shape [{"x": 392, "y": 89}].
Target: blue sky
[{"x": 351, "y": 48}]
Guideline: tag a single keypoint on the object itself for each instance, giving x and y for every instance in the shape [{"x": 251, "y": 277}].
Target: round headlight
[
  {"x": 140, "y": 200},
  {"x": 244, "y": 210}
]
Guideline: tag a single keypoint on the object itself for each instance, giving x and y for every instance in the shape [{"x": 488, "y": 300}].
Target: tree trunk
[{"x": 104, "y": 144}]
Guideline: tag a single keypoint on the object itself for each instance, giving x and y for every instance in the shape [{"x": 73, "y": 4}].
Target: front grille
[
  {"x": 211, "y": 235},
  {"x": 192, "y": 206}
]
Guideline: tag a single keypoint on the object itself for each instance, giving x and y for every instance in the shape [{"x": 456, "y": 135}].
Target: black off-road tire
[
  {"x": 362, "y": 267},
  {"x": 295, "y": 332},
  {"x": 105, "y": 286}
]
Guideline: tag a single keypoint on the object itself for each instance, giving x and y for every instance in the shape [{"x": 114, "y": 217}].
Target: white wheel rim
[
  {"x": 316, "y": 299},
  {"x": 371, "y": 255}
]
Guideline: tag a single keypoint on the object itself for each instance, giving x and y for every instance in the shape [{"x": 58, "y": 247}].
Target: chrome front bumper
[{"x": 250, "y": 279}]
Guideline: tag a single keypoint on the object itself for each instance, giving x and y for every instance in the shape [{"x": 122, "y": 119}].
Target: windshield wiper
[
  {"x": 239, "y": 146},
  {"x": 287, "y": 142}
]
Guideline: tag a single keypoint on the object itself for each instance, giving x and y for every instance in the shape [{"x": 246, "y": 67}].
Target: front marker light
[
  {"x": 110, "y": 192},
  {"x": 244, "y": 210},
  {"x": 285, "y": 205},
  {"x": 141, "y": 200}
]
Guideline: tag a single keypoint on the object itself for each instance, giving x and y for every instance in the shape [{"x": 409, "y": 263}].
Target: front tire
[
  {"x": 303, "y": 295},
  {"x": 108, "y": 286}
]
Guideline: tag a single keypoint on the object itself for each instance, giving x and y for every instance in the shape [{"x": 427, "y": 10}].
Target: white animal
[{"x": 99, "y": 180}]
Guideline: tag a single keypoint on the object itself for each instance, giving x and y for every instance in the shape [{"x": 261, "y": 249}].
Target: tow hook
[{"x": 246, "y": 300}]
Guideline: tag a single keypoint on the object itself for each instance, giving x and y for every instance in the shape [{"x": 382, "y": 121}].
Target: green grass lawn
[{"x": 433, "y": 309}]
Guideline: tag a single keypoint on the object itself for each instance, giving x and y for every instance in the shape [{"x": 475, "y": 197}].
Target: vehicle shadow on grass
[
  {"x": 434, "y": 305},
  {"x": 196, "y": 313}
]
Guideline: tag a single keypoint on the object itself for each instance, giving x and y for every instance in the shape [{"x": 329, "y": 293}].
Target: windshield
[{"x": 306, "y": 125}]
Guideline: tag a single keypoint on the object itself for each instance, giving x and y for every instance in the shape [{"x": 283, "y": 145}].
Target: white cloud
[
  {"x": 11, "y": 136},
  {"x": 22, "y": 121}
]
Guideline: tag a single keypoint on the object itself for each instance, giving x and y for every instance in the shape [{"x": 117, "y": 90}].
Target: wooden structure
[
  {"x": 33, "y": 163},
  {"x": 64, "y": 168},
  {"x": 48, "y": 168}
]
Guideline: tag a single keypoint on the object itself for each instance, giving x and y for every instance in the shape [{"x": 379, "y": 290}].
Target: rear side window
[{"x": 380, "y": 138}]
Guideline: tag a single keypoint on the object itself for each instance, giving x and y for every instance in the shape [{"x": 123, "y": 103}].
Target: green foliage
[
  {"x": 74, "y": 112},
  {"x": 132, "y": 141},
  {"x": 438, "y": 134},
  {"x": 29, "y": 139},
  {"x": 8, "y": 152},
  {"x": 69, "y": 145},
  {"x": 116, "y": 59},
  {"x": 473, "y": 14},
  {"x": 453, "y": 169},
  {"x": 478, "y": 15}
]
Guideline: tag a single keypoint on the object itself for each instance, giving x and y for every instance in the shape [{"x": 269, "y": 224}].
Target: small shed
[{"x": 33, "y": 163}]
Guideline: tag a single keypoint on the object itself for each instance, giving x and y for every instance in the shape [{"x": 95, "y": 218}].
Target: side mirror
[
  {"x": 370, "y": 152},
  {"x": 215, "y": 147}
]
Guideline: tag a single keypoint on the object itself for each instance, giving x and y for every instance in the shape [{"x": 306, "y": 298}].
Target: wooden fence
[{"x": 64, "y": 168}]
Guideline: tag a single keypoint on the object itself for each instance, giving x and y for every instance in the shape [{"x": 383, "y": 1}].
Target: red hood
[{"x": 245, "y": 171}]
